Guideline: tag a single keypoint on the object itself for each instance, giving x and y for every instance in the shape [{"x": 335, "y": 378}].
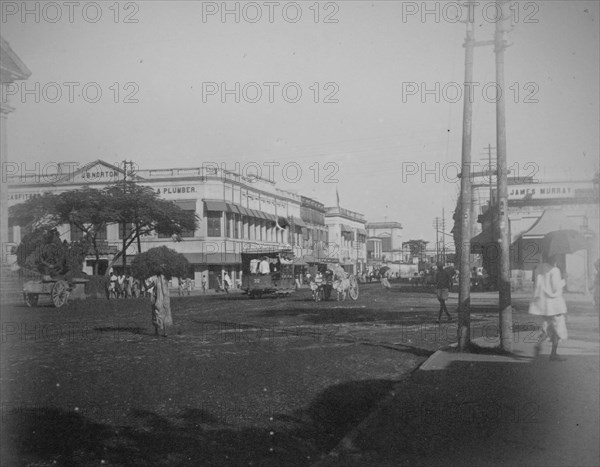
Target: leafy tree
[
  {"x": 141, "y": 208},
  {"x": 159, "y": 261},
  {"x": 91, "y": 210},
  {"x": 88, "y": 210},
  {"x": 417, "y": 248},
  {"x": 43, "y": 251}
]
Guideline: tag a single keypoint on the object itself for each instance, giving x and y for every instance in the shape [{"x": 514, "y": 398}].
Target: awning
[
  {"x": 271, "y": 217},
  {"x": 299, "y": 222},
  {"x": 213, "y": 258},
  {"x": 550, "y": 221},
  {"x": 216, "y": 206},
  {"x": 186, "y": 204},
  {"x": 347, "y": 228},
  {"x": 361, "y": 231},
  {"x": 233, "y": 208},
  {"x": 262, "y": 215}
]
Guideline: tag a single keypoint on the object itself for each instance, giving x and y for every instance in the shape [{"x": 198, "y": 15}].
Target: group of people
[{"x": 123, "y": 286}]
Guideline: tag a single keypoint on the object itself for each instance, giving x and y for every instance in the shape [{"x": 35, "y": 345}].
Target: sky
[{"x": 371, "y": 106}]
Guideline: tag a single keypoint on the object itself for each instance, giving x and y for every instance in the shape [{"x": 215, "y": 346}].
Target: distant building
[
  {"x": 374, "y": 251},
  {"x": 390, "y": 234},
  {"x": 347, "y": 238}
]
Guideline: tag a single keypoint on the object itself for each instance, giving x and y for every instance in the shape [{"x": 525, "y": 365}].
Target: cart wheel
[
  {"x": 353, "y": 288},
  {"x": 31, "y": 299},
  {"x": 60, "y": 294}
]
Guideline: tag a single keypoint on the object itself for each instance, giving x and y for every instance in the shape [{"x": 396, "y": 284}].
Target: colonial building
[
  {"x": 235, "y": 213},
  {"x": 390, "y": 234},
  {"x": 534, "y": 209},
  {"x": 347, "y": 238},
  {"x": 11, "y": 69}
]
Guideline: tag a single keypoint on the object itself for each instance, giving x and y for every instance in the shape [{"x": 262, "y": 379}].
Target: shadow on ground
[{"x": 51, "y": 436}]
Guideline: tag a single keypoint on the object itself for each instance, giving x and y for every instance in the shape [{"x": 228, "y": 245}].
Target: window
[
  {"x": 236, "y": 226},
  {"x": 229, "y": 219},
  {"x": 128, "y": 230},
  {"x": 213, "y": 223},
  {"x": 76, "y": 233},
  {"x": 188, "y": 233}
]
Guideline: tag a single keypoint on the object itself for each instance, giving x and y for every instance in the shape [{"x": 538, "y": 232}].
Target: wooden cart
[{"x": 59, "y": 291}]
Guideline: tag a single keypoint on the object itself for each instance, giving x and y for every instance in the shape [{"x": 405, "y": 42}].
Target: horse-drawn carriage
[
  {"x": 268, "y": 271},
  {"x": 328, "y": 277},
  {"x": 58, "y": 289}
]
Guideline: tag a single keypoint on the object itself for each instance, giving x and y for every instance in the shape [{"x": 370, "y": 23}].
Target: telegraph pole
[
  {"x": 436, "y": 226},
  {"x": 464, "y": 298},
  {"x": 443, "y": 236},
  {"x": 490, "y": 170},
  {"x": 505, "y": 307}
]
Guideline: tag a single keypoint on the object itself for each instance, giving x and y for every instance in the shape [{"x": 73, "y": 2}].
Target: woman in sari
[{"x": 161, "y": 305}]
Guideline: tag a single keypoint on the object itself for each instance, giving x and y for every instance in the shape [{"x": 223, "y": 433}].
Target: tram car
[{"x": 268, "y": 272}]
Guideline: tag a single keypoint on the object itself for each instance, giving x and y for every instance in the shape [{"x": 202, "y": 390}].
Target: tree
[
  {"x": 43, "y": 251},
  {"x": 88, "y": 210},
  {"x": 417, "y": 248},
  {"x": 140, "y": 208}
]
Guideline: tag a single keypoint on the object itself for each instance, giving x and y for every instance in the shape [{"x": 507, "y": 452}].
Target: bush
[{"x": 159, "y": 261}]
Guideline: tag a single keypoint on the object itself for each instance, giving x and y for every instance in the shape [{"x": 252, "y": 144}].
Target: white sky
[{"x": 369, "y": 134}]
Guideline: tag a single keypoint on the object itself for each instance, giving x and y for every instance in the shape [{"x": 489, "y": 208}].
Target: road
[{"x": 275, "y": 381}]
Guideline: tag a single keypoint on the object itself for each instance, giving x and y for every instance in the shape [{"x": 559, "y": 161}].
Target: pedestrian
[
  {"x": 161, "y": 305},
  {"x": 442, "y": 280},
  {"x": 548, "y": 302},
  {"x": 203, "y": 284},
  {"x": 264, "y": 267},
  {"x": 226, "y": 281},
  {"x": 128, "y": 285},
  {"x": 595, "y": 289}
]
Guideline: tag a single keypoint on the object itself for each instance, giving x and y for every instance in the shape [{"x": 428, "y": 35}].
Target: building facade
[
  {"x": 11, "y": 69},
  {"x": 390, "y": 234},
  {"x": 557, "y": 204},
  {"x": 347, "y": 238},
  {"x": 235, "y": 214}
]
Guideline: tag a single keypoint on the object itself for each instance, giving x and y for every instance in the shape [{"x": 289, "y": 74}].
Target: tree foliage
[
  {"x": 91, "y": 210},
  {"x": 141, "y": 208},
  {"x": 44, "y": 252},
  {"x": 160, "y": 261}
]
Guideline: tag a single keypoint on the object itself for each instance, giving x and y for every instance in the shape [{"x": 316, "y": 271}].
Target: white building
[
  {"x": 235, "y": 213},
  {"x": 347, "y": 238}
]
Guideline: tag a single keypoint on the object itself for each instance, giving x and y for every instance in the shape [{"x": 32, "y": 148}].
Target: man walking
[{"x": 442, "y": 280}]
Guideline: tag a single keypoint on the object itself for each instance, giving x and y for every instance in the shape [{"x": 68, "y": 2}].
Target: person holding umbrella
[{"x": 548, "y": 302}]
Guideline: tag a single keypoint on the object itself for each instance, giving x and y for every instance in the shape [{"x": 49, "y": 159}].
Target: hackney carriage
[{"x": 268, "y": 271}]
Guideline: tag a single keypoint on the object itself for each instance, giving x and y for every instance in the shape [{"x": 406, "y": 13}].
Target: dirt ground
[{"x": 275, "y": 381}]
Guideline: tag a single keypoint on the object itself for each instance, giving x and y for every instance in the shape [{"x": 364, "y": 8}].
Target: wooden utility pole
[
  {"x": 505, "y": 307},
  {"x": 464, "y": 294},
  {"x": 436, "y": 226}
]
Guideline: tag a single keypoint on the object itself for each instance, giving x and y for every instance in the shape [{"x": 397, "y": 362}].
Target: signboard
[
  {"x": 542, "y": 191},
  {"x": 98, "y": 173}
]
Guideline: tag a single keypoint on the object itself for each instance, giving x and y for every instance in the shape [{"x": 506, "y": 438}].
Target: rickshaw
[{"x": 280, "y": 278}]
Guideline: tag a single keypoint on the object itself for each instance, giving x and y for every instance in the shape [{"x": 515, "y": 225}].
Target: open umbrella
[
  {"x": 383, "y": 270},
  {"x": 560, "y": 242}
]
